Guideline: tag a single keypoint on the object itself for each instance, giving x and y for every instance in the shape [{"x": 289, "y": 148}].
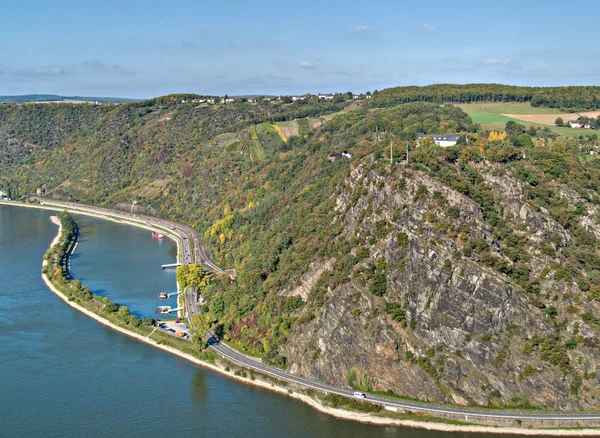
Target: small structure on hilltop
[
  {"x": 443, "y": 140},
  {"x": 325, "y": 96},
  {"x": 578, "y": 124}
]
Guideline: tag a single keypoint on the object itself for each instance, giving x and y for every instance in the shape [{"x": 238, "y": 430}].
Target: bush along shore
[
  {"x": 56, "y": 275},
  {"x": 55, "y": 270}
]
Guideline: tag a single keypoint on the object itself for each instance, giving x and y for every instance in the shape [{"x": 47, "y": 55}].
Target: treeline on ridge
[{"x": 572, "y": 98}]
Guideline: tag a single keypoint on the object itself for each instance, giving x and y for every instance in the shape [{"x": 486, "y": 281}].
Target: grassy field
[
  {"x": 489, "y": 116},
  {"x": 505, "y": 108}
]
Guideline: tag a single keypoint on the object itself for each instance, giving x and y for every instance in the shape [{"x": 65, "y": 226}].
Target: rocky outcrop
[{"x": 466, "y": 326}]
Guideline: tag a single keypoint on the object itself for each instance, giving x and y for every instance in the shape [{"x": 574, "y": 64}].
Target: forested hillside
[
  {"x": 27, "y": 130},
  {"x": 24, "y": 98},
  {"x": 470, "y": 274},
  {"x": 567, "y": 98}
]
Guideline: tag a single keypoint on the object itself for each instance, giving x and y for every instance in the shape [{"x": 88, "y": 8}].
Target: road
[
  {"x": 466, "y": 413},
  {"x": 191, "y": 303},
  {"x": 187, "y": 234}
]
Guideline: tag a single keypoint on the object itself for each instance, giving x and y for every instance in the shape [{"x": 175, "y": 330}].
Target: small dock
[
  {"x": 170, "y": 265},
  {"x": 165, "y": 295}
]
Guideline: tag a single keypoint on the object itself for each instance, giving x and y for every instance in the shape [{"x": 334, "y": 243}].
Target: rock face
[
  {"x": 136, "y": 208},
  {"x": 466, "y": 331}
]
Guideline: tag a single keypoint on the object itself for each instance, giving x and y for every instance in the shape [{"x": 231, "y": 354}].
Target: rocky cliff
[{"x": 459, "y": 331}]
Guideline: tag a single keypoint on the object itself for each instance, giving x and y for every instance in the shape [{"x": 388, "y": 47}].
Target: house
[
  {"x": 251, "y": 100},
  {"x": 356, "y": 96},
  {"x": 295, "y": 98},
  {"x": 443, "y": 140},
  {"x": 211, "y": 100},
  {"x": 346, "y": 154},
  {"x": 325, "y": 96},
  {"x": 198, "y": 100},
  {"x": 228, "y": 99},
  {"x": 368, "y": 96},
  {"x": 578, "y": 124}
]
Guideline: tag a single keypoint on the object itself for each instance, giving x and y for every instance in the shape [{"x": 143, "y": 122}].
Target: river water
[{"x": 63, "y": 374}]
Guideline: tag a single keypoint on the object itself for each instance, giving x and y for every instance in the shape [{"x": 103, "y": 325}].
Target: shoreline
[
  {"x": 120, "y": 220},
  {"x": 337, "y": 413}
]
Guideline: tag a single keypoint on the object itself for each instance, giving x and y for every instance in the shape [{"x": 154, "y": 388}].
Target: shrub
[
  {"x": 402, "y": 239},
  {"x": 378, "y": 285},
  {"x": 396, "y": 311}
]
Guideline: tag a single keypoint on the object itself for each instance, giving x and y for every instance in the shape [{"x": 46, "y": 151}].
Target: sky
[{"x": 142, "y": 49}]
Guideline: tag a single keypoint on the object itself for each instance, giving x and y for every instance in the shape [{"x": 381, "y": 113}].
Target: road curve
[
  {"x": 187, "y": 234},
  {"x": 242, "y": 360}
]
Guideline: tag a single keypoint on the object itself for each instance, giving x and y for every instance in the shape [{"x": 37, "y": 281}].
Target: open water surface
[{"x": 63, "y": 374}]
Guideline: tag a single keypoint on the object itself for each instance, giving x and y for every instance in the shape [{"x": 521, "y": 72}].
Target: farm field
[
  {"x": 549, "y": 119},
  {"x": 494, "y": 116},
  {"x": 505, "y": 108}
]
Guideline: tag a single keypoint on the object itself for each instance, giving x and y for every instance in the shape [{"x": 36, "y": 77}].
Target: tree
[
  {"x": 379, "y": 285},
  {"x": 193, "y": 275},
  {"x": 524, "y": 141},
  {"x": 111, "y": 307},
  {"x": 559, "y": 121}
]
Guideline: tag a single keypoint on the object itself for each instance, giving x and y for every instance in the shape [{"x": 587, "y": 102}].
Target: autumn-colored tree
[
  {"x": 193, "y": 275},
  {"x": 497, "y": 136}
]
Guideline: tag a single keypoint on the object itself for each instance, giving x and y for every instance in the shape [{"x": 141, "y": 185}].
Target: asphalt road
[
  {"x": 467, "y": 413},
  {"x": 187, "y": 234}
]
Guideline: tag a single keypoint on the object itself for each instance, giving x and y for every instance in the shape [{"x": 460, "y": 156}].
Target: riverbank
[
  {"x": 120, "y": 220},
  {"x": 298, "y": 393}
]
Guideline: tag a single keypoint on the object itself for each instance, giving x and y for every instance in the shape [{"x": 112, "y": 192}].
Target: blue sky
[{"x": 134, "y": 48}]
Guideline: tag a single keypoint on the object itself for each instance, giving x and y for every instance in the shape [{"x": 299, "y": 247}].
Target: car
[{"x": 359, "y": 395}]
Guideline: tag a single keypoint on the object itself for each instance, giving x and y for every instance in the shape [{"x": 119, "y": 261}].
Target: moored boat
[
  {"x": 163, "y": 309},
  {"x": 163, "y": 296},
  {"x": 156, "y": 235}
]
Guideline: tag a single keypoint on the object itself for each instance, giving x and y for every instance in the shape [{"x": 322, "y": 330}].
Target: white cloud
[
  {"x": 306, "y": 64},
  {"x": 429, "y": 27},
  {"x": 497, "y": 61},
  {"x": 361, "y": 28}
]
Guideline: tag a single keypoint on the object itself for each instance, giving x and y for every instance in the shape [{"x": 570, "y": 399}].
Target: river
[{"x": 63, "y": 374}]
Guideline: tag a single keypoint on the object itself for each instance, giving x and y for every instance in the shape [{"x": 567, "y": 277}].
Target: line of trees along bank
[
  {"x": 56, "y": 271},
  {"x": 574, "y": 98}
]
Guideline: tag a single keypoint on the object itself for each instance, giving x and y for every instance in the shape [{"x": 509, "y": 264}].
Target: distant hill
[{"x": 55, "y": 98}]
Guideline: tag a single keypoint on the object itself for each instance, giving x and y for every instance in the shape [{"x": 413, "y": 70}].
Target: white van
[{"x": 359, "y": 395}]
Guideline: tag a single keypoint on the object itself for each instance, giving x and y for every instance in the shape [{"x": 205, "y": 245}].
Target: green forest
[
  {"x": 273, "y": 207},
  {"x": 567, "y": 98}
]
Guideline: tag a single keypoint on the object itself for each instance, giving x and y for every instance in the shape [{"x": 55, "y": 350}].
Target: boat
[
  {"x": 156, "y": 235},
  {"x": 163, "y": 309},
  {"x": 163, "y": 296}
]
